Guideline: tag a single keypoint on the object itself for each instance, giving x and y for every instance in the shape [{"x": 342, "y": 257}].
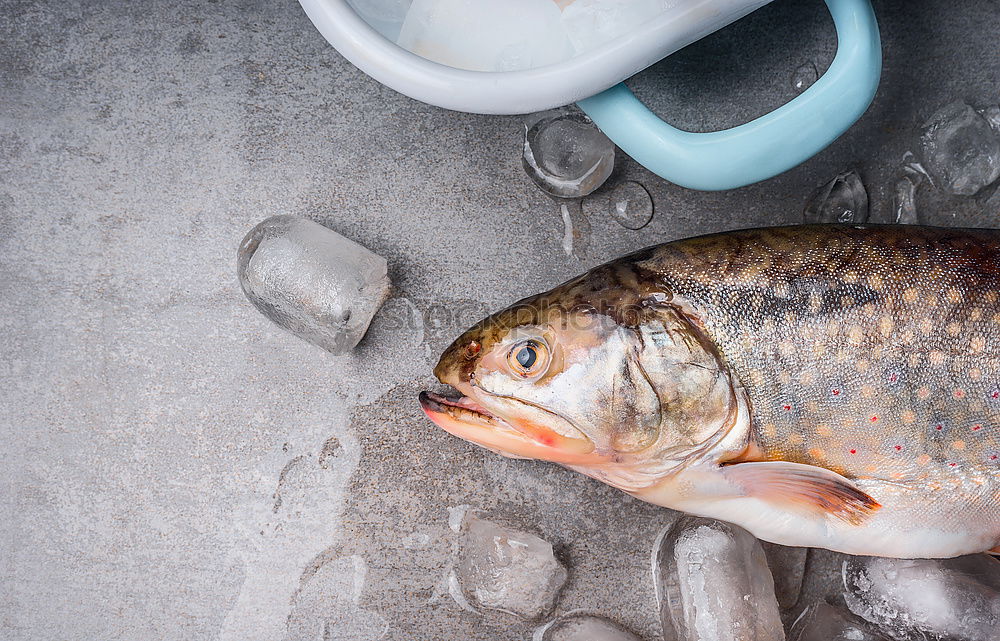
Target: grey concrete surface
[{"x": 176, "y": 467}]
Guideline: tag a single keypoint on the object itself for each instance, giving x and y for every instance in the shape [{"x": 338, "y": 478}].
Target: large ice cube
[
  {"x": 713, "y": 583},
  {"x": 566, "y": 155},
  {"x": 960, "y": 149},
  {"x": 486, "y": 35},
  {"x": 951, "y": 598},
  {"x": 312, "y": 281},
  {"x": 504, "y": 569},
  {"x": 823, "y": 622}
]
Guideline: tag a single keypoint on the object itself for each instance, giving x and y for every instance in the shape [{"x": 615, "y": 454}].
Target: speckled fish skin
[{"x": 872, "y": 352}]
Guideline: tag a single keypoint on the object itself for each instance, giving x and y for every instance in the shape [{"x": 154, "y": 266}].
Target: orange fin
[
  {"x": 803, "y": 486},
  {"x": 995, "y": 550}
]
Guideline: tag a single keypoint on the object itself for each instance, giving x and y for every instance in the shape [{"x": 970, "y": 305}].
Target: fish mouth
[{"x": 467, "y": 419}]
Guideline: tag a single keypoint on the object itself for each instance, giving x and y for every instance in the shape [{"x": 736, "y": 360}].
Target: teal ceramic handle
[{"x": 764, "y": 147}]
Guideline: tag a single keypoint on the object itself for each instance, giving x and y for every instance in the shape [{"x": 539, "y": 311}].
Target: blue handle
[{"x": 764, "y": 147}]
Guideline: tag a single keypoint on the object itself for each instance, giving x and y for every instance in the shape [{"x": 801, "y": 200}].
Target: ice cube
[
  {"x": 823, "y": 622},
  {"x": 583, "y": 627},
  {"x": 631, "y": 205},
  {"x": 486, "y": 35},
  {"x": 960, "y": 150},
  {"x": 713, "y": 583},
  {"x": 951, "y": 598},
  {"x": 567, "y": 156},
  {"x": 312, "y": 281},
  {"x": 788, "y": 567},
  {"x": 842, "y": 200},
  {"x": 504, "y": 569}
]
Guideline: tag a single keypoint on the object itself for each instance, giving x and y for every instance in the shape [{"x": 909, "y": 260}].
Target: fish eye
[{"x": 528, "y": 358}]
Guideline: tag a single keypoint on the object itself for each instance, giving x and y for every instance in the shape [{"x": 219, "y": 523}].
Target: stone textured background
[{"x": 176, "y": 467}]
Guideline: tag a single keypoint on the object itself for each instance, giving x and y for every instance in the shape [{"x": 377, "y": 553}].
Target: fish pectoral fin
[{"x": 807, "y": 487}]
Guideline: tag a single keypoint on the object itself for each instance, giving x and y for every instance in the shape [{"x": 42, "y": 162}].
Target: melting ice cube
[
  {"x": 713, "y": 583},
  {"x": 951, "y": 598},
  {"x": 567, "y": 156},
  {"x": 823, "y": 622},
  {"x": 842, "y": 200},
  {"x": 504, "y": 569},
  {"x": 583, "y": 627},
  {"x": 960, "y": 149},
  {"x": 312, "y": 281}
]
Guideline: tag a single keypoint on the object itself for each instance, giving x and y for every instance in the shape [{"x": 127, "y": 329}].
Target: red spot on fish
[
  {"x": 874, "y": 419},
  {"x": 959, "y": 393},
  {"x": 835, "y": 392},
  {"x": 787, "y": 407},
  {"x": 993, "y": 458},
  {"x": 893, "y": 377},
  {"x": 939, "y": 427},
  {"x": 854, "y": 451},
  {"x": 995, "y": 394},
  {"x": 953, "y": 464},
  {"x": 899, "y": 447},
  {"x": 976, "y": 428}
]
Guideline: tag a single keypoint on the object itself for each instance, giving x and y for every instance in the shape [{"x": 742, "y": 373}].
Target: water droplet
[
  {"x": 842, "y": 200},
  {"x": 567, "y": 156},
  {"x": 631, "y": 205},
  {"x": 576, "y": 228},
  {"x": 804, "y": 76}
]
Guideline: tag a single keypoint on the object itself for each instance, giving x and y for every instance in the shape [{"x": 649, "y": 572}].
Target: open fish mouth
[{"x": 467, "y": 419}]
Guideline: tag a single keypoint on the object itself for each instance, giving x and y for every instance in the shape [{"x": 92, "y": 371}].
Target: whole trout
[{"x": 829, "y": 386}]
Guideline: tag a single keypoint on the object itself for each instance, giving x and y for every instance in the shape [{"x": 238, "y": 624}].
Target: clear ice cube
[
  {"x": 486, "y": 35},
  {"x": 583, "y": 627},
  {"x": 631, "y": 205},
  {"x": 960, "y": 149},
  {"x": 504, "y": 569},
  {"x": 949, "y": 598},
  {"x": 842, "y": 200},
  {"x": 788, "y": 567},
  {"x": 567, "y": 156},
  {"x": 823, "y": 622},
  {"x": 312, "y": 281},
  {"x": 804, "y": 76},
  {"x": 713, "y": 583}
]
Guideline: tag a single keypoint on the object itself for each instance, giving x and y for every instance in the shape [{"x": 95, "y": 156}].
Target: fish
[{"x": 833, "y": 386}]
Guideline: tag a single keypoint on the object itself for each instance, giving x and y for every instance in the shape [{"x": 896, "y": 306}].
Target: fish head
[{"x": 604, "y": 374}]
